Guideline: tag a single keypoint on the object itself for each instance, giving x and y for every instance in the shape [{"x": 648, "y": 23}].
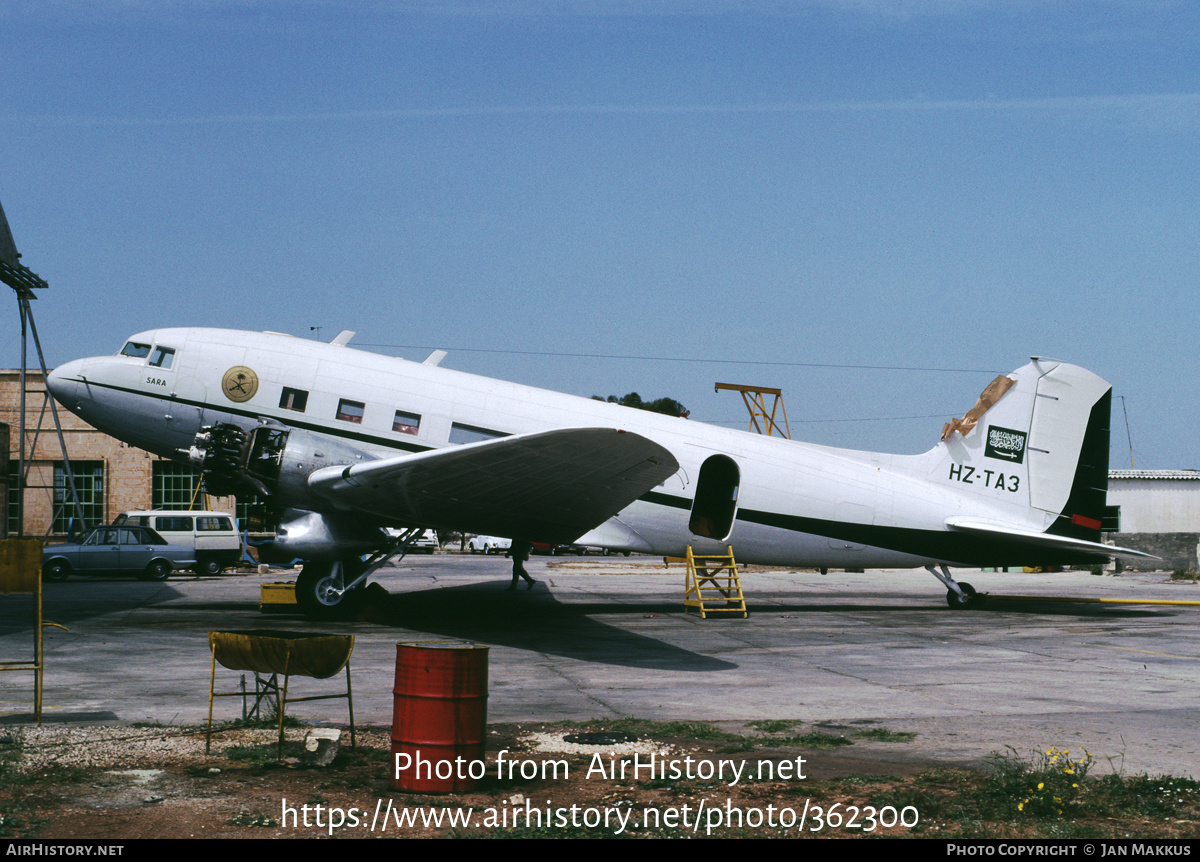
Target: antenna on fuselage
[{"x": 25, "y": 281}]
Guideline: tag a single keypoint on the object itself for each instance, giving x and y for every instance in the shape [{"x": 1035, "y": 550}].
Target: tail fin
[{"x": 1038, "y": 440}]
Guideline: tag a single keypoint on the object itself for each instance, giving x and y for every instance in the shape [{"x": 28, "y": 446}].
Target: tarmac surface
[{"x": 608, "y": 637}]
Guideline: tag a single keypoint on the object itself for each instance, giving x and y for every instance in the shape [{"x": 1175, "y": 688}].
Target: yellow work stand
[
  {"x": 712, "y": 584},
  {"x": 21, "y": 572}
]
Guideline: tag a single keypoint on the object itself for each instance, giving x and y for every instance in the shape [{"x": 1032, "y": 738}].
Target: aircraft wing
[
  {"x": 1032, "y": 539},
  {"x": 551, "y": 486}
]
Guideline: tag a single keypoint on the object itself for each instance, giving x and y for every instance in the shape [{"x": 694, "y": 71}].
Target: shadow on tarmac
[{"x": 535, "y": 620}]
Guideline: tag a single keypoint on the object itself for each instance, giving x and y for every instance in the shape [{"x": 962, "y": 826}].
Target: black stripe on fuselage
[{"x": 959, "y": 548}]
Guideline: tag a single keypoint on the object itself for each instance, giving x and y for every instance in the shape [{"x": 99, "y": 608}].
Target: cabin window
[
  {"x": 350, "y": 411},
  {"x": 210, "y": 523},
  {"x": 137, "y": 351},
  {"x": 293, "y": 399},
  {"x": 174, "y": 523},
  {"x": 406, "y": 423},
  {"x": 460, "y": 434},
  {"x": 162, "y": 357}
]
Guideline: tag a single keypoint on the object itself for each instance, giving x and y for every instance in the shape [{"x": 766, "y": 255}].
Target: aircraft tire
[
  {"x": 971, "y": 600},
  {"x": 314, "y": 596}
]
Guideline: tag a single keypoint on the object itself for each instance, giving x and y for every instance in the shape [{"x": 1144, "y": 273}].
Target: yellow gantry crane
[{"x": 755, "y": 400}]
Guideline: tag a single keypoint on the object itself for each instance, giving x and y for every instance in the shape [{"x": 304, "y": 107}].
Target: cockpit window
[
  {"x": 137, "y": 351},
  {"x": 163, "y": 357}
]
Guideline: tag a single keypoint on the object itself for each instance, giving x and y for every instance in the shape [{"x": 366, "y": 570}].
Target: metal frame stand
[{"x": 24, "y": 281}]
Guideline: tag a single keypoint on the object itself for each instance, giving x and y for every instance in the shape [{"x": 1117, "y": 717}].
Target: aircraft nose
[{"x": 63, "y": 381}]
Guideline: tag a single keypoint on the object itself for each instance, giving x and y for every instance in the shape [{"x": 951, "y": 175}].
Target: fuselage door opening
[{"x": 715, "y": 504}]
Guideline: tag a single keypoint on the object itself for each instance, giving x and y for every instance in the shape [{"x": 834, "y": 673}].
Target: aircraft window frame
[
  {"x": 351, "y": 411},
  {"x": 461, "y": 434},
  {"x": 406, "y": 423},
  {"x": 293, "y": 399},
  {"x": 162, "y": 357},
  {"x": 135, "y": 350}
]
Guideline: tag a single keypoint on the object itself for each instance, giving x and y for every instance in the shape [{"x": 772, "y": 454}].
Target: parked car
[
  {"x": 214, "y": 536},
  {"x": 557, "y": 550},
  {"x": 112, "y": 549},
  {"x": 426, "y": 543},
  {"x": 488, "y": 544}
]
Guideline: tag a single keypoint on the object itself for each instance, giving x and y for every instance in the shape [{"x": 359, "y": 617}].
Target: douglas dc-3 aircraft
[{"x": 344, "y": 444}]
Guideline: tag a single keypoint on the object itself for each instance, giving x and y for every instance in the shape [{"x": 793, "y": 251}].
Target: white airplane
[{"x": 345, "y": 444}]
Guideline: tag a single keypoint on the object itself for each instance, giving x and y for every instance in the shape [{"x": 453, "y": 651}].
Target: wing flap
[
  {"x": 551, "y": 486},
  {"x": 1034, "y": 539}
]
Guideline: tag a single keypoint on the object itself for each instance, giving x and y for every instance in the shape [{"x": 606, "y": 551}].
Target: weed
[
  {"x": 245, "y": 818},
  {"x": 772, "y": 725},
  {"x": 882, "y": 734},
  {"x": 1046, "y": 785},
  {"x": 1144, "y": 796},
  {"x": 865, "y": 780},
  {"x": 256, "y": 755},
  {"x": 644, "y": 728},
  {"x": 815, "y": 739},
  {"x": 1185, "y": 575},
  {"x": 18, "y": 821}
]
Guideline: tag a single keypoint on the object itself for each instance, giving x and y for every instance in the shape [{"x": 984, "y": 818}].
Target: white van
[{"x": 214, "y": 535}]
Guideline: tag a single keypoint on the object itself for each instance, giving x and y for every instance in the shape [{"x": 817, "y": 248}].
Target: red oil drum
[{"x": 439, "y": 717}]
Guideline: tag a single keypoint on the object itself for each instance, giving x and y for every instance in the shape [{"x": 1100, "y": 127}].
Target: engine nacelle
[
  {"x": 269, "y": 460},
  {"x": 314, "y": 536}
]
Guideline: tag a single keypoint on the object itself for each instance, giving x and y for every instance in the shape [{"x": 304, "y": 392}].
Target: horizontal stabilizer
[
  {"x": 552, "y": 486},
  {"x": 1032, "y": 539}
]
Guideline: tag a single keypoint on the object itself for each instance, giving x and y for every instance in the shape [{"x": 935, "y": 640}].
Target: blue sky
[{"x": 876, "y": 206}]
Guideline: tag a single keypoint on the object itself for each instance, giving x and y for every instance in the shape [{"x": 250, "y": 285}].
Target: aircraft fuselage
[{"x": 778, "y": 501}]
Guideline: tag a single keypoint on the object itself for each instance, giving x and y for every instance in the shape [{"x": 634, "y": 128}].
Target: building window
[
  {"x": 293, "y": 399},
  {"x": 173, "y": 485},
  {"x": 460, "y": 434},
  {"x": 406, "y": 423},
  {"x": 251, "y": 512},
  {"x": 350, "y": 411},
  {"x": 89, "y": 485}
]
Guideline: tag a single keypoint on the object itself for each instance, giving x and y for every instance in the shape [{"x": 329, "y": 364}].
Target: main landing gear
[
  {"x": 959, "y": 595},
  {"x": 326, "y": 589}
]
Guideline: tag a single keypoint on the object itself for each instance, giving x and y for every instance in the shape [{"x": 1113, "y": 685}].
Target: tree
[{"x": 666, "y": 406}]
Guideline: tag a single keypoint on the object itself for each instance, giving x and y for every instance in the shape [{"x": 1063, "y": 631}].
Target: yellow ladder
[{"x": 713, "y": 584}]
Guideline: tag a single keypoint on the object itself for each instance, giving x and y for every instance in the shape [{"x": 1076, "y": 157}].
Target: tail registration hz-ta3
[{"x": 346, "y": 446}]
